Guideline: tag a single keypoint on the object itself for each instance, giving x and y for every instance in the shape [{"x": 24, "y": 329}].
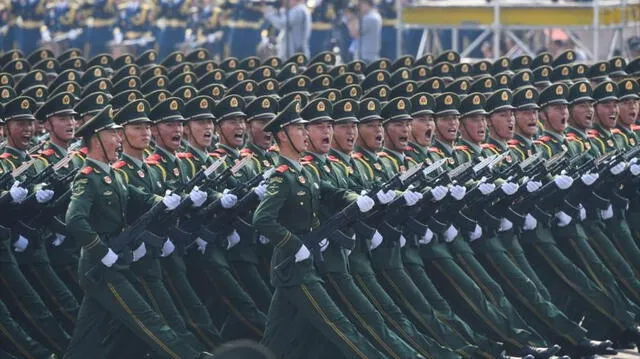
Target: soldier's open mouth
[
  {"x": 207, "y": 135},
  {"x": 563, "y": 121},
  {"x": 403, "y": 139},
  {"x": 428, "y": 133},
  {"x": 176, "y": 139},
  {"x": 379, "y": 138},
  {"x": 350, "y": 140},
  {"x": 511, "y": 127},
  {"x": 238, "y": 136},
  {"x": 325, "y": 140}
]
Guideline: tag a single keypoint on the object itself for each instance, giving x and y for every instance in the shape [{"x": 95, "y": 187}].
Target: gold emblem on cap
[
  {"x": 582, "y": 88},
  {"x": 383, "y": 65},
  {"x": 603, "y": 67},
  {"x": 320, "y": 106},
  {"x": 43, "y": 54},
  {"x": 348, "y": 79},
  {"x": 104, "y": 60},
  {"x": 383, "y": 92},
  {"x": 580, "y": 70},
  {"x": 544, "y": 72},
  {"x": 132, "y": 83},
  {"x": 488, "y": 83},
  {"x": 327, "y": 57},
  {"x": 297, "y": 109},
  {"x": 215, "y": 91},
  {"x": 100, "y": 100},
  {"x": 348, "y": 107},
  {"x": 157, "y": 71},
  {"x": 331, "y": 96},
  {"x": 559, "y": 90},
  {"x": 504, "y": 80},
  {"x": 404, "y": 74},
  {"x": 173, "y": 106},
  {"x": 546, "y": 59},
  {"x": 270, "y": 86},
  {"x": 49, "y": 65},
  {"x": 128, "y": 59},
  {"x": 353, "y": 92},
  {"x": 608, "y": 87},
  {"x": 618, "y": 63},
  {"x": 187, "y": 93},
  {"x": 301, "y": 83},
  {"x": 132, "y": 96},
  {"x": 565, "y": 71},
  {"x": 38, "y": 76},
  {"x": 132, "y": 71},
  {"x": 162, "y": 96},
  {"x": 525, "y": 76},
  {"x": 77, "y": 63},
  {"x": 504, "y": 96},
  {"x": 451, "y": 56},
  {"x": 160, "y": 82},
  {"x": 464, "y": 85},
  {"x": 422, "y": 72},
  {"x": 448, "y": 100},
  {"x": 628, "y": 85},
  {"x": 178, "y": 57},
  {"x": 201, "y": 55},
  {"x": 294, "y": 69},
  {"x": 39, "y": 93},
  {"x": 407, "y": 61},
  {"x": 5, "y": 93},
  {"x": 204, "y": 103},
  {"x": 409, "y": 87},
  {"x": 475, "y": 100},
  {"x": 325, "y": 81},
  {"x": 140, "y": 107},
  {"x": 218, "y": 76},
  {"x": 71, "y": 76},
  {"x": 4, "y": 80},
  {"x": 483, "y": 66},
  {"x": 152, "y": 56},
  {"x": 233, "y": 102},
  {"x": 188, "y": 79},
  {"x": 380, "y": 77},
  {"x": 464, "y": 68},
  {"x": 570, "y": 55},
  {"x": 266, "y": 103},
  {"x": 423, "y": 100},
  {"x": 505, "y": 62},
  {"x": 71, "y": 88},
  {"x": 210, "y": 67},
  {"x": 19, "y": 65},
  {"x": 111, "y": 114},
  {"x": 66, "y": 100},
  {"x": 371, "y": 105},
  {"x": 319, "y": 69},
  {"x": 525, "y": 61},
  {"x": 528, "y": 94},
  {"x": 435, "y": 85},
  {"x": 444, "y": 68},
  {"x": 357, "y": 66},
  {"x": 248, "y": 87},
  {"x": 24, "y": 104}
]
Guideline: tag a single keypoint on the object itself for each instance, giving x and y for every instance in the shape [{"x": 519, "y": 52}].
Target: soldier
[
  {"x": 133, "y": 23},
  {"x": 170, "y": 26},
  {"x": 286, "y": 213},
  {"x": 244, "y": 25},
  {"x": 29, "y": 16},
  {"x": 95, "y": 215},
  {"x": 294, "y": 24},
  {"x": 100, "y": 23},
  {"x": 17, "y": 341}
]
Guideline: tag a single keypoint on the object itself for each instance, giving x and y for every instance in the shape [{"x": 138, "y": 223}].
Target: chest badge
[
  {"x": 587, "y": 145},
  {"x": 403, "y": 169},
  {"x": 564, "y": 148},
  {"x": 428, "y": 161},
  {"x": 301, "y": 179},
  {"x": 266, "y": 163},
  {"x": 451, "y": 160},
  {"x": 141, "y": 173},
  {"x": 326, "y": 168},
  {"x": 107, "y": 179},
  {"x": 349, "y": 170},
  {"x": 632, "y": 142},
  {"x": 529, "y": 153},
  {"x": 377, "y": 166},
  {"x": 610, "y": 142},
  {"x": 176, "y": 172}
]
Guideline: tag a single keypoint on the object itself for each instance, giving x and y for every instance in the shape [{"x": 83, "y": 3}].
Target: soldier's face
[
  {"x": 297, "y": 137},
  {"x": 502, "y": 125},
  {"x": 320, "y": 136},
  {"x": 422, "y": 129},
  {"x": 397, "y": 135},
  {"x": 556, "y": 117},
  {"x": 111, "y": 143},
  {"x": 527, "y": 122},
  {"x": 19, "y": 133},
  {"x": 259, "y": 137},
  {"x": 344, "y": 136},
  {"x": 138, "y": 135},
  {"x": 81, "y": 120},
  {"x": 474, "y": 128},
  {"x": 607, "y": 113},
  {"x": 61, "y": 127},
  {"x": 628, "y": 111},
  {"x": 447, "y": 127},
  {"x": 168, "y": 135},
  {"x": 371, "y": 135},
  {"x": 200, "y": 133},
  {"x": 232, "y": 131},
  {"x": 582, "y": 115}
]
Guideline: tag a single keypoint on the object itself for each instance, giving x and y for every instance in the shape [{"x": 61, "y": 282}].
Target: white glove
[
  {"x": 139, "y": 252},
  {"x": 376, "y": 240},
  {"x": 324, "y": 244},
  {"x": 563, "y": 181},
  {"x": 73, "y": 34},
  {"x": 385, "y": 197},
  {"x": 168, "y": 247},
  {"x": 450, "y": 234},
  {"x": 263, "y": 239},
  {"x": 458, "y": 192},
  {"x": 426, "y": 238},
  {"x": 21, "y": 244},
  {"x": 348, "y": 251},
  {"x": 228, "y": 200},
  {"x": 617, "y": 169},
  {"x": 439, "y": 193},
  {"x": 18, "y": 194},
  {"x": 533, "y": 186},
  {"x": 197, "y": 196},
  {"x": 260, "y": 190},
  {"x": 563, "y": 219},
  {"x": 171, "y": 200},
  {"x": 486, "y": 188},
  {"x": 411, "y": 197},
  {"x": 302, "y": 254},
  {"x": 44, "y": 195},
  {"x": 45, "y": 34},
  {"x": 530, "y": 223},
  {"x": 110, "y": 258},
  {"x": 117, "y": 37},
  {"x": 202, "y": 245},
  {"x": 589, "y": 178},
  {"x": 365, "y": 203},
  {"x": 477, "y": 233},
  {"x": 233, "y": 238},
  {"x": 509, "y": 188},
  {"x": 505, "y": 225},
  {"x": 583, "y": 212},
  {"x": 57, "y": 242},
  {"x": 403, "y": 241},
  {"x": 607, "y": 213},
  {"x": 635, "y": 169}
]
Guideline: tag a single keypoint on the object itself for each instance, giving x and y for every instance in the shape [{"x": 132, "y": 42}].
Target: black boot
[
  {"x": 541, "y": 353},
  {"x": 591, "y": 347}
]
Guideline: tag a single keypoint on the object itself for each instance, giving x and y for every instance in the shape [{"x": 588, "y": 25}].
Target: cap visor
[
  {"x": 447, "y": 113},
  {"x": 556, "y": 102},
  {"x": 502, "y": 108},
  {"x": 23, "y": 117},
  {"x": 370, "y": 118},
  {"x": 226, "y": 116},
  {"x": 262, "y": 116},
  {"x": 474, "y": 112},
  {"x": 422, "y": 112},
  {"x": 629, "y": 96},
  {"x": 319, "y": 119},
  {"x": 583, "y": 99},
  {"x": 346, "y": 119},
  {"x": 528, "y": 106},
  {"x": 174, "y": 118},
  {"x": 137, "y": 120},
  {"x": 401, "y": 117},
  {"x": 202, "y": 116},
  {"x": 608, "y": 98}
]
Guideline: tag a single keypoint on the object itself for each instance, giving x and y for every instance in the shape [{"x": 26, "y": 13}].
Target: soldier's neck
[
  {"x": 58, "y": 142},
  {"x": 523, "y": 135},
  {"x": 448, "y": 143},
  {"x": 132, "y": 152},
  {"x": 501, "y": 141},
  {"x": 468, "y": 140}
]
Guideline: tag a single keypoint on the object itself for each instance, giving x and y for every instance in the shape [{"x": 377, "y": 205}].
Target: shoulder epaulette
[
  {"x": 218, "y": 152},
  {"x": 635, "y": 127},
  {"x": 184, "y": 155},
  {"x": 119, "y": 164},
  {"x": 87, "y": 170},
  {"x": 461, "y": 148},
  {"x": 333, "y": 158},
  {"x": 434, "y": 149},
  {"x": 246, "y": 152},
  {"x": 513, "y": 142},
  {"x": 282, "y": 168},
  {"x": 6, "y": 155},
  {"x": 409, "y": 148},
  {"x": 357, "y": 155},
  {"x": 274, "y": 148},
  {"x": 570, "y": 135},
  {"x": 544, "y": 138},
  {"x": 48, "y": 152},
  {"x": 308, "y": 158},
  {"x": 153, "y": 159},
  {"x": 592, "y": 132},
  {"x": 488, "y": 145},
  {"x": 572, "y": 138},
  {"x": 84, "y": 150},
  {"x": 383, "y": 154},
  {"x": 616, "y": 131}
]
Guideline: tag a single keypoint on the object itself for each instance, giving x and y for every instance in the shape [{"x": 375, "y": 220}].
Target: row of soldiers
[
  {"x": 226, "y": 28},
  {"x": 417, "y": 208}
]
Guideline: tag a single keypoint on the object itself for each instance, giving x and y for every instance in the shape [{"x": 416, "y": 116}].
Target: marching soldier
[
  {"x": 29, "y": 18},
  {"x": 171, "y": 25},
  {"x": 101, "y": 21}
]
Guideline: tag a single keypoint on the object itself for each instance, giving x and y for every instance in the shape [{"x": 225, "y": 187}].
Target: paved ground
[{"x": 628, "y": 354}]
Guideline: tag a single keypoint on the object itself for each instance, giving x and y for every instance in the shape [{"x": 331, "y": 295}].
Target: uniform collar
[
  {"x": 256, "y": 149},
  {"x": 344, "y": 157},
  {"x": 135, "y": 161},
  {"x": 447, "y": 149},
  {"x": 101, "y": 165},
  {"x": 396, "y": 154},
  {"x": 61, "y": 151},
  {"x": 234, "y": 152},
  {"x": 201, "y": 155},
  {"x": 527, "y": 141},
  {"x": 577, "y": 131},
  {"x": 295, "y": 164},
  {"x": 164, "y": 153},
  {"x": 602, "y": 130},
  {"x": 502, "y": 145},
  {"x": 556, "y": 136},
  {"x": 367, "y": 153},
  {"x": 474, "y": 147},
  {"x": 21, "y": 154}
]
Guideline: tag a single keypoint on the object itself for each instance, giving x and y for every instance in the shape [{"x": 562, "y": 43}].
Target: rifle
[
  {"x": 8, "y": 178},
  {"x": 199, "y": 177}
]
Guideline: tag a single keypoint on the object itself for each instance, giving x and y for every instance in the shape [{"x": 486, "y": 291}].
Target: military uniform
[{"x": 171, "y": 25}]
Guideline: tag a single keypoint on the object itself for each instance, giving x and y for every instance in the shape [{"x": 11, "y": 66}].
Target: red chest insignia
[
  {"x": 176, "y": 172},
  {"x": 107, "y": 179},
  {"x": 141, "y": 173}
]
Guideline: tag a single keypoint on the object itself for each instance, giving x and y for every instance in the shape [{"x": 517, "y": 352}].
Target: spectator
[
  {"x": 294, "y": 25},
  {"x": 368, "y": 34}
]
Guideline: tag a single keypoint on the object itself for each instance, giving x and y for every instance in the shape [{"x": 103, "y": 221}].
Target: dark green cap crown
[
  {"x": 616, "y": 66},
  {"x": 473, "y": 104},
  {"x": 449, "y": 56},
  {"x": 104, "y": 60},
  {"x": 561, "y": 73},
  {"x": 443, "y": 70},
  {"x": 526, "y": 98},
  {"x": 39, "y": 93},
  {"x": 405, "y": 89},
  {"x": 422, "y": 104},
  {"x": 554, "y": 94},
  {"x": 375, "y": 78},
  {"x": 598, "y": 71},
  {"x": 147, "y": 58},
  {"x": 262, "y": 108},
  {"x": 565, "y": 58},
  {"x": 321, "y": 83},
  {"x": 19, "y": 108},
  {"x": 262, "y": 73},
  {"x": 288, "y": 116},
  {"x": 345, "y": 110},
  {"x": 500, "y": 100},
  {"x": 295, "y": 84},
  {"x": 352, "y": 91},
  {"x": 580, "y": 92},
  {"x": 173, "y": 59},
  {"x": 199, "y": 108},
  {"x": 522, "y": 78},
  {"x": 185, "y": 93},
  {"x": 154, "y": 84},
  {"x": 101, "y": 121},
  {"x": 433, "y": 86},
  {"x": 127, "y": 83},
  {"x": 34, "y": 77},
  {"x": 369, "y": 110},
  {"x": 318, "y": 110},
  {"x": 156, "y": 97},
  {"x": 123, "y": 98},
  {"x": 447, "y": 104},
  {"x": 501, "y": 65},
  {"x": 99, "y": 85},
  {"x": 381, "y": 93},
  {"x": 39, "y": 55},
  {"x": 134, "y": 112},
  {"x": 579, "y": 72},
  {"x": 480, "y": 68},
  {"x": 249, "y": 63},
  {"x": 92, "y": 104},
  {"x": 399, "y": 76},
  {"x": 198, "y": 55},
  {"x": 460, "y": 87},
  {"x": 541, "y": 76},
  {"x": 71, "y": 87},
  {"x": 230, "y": 106},
  {"x": 543, "y": 59},
  {"x": 606, "y": 91},
  {"x": 628, "y": 89},
  {"x": 522, "y": 62},
  {"x": 169, "y": 110}
]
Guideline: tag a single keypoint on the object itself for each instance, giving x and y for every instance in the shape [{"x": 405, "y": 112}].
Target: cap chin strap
[
  {"x": 104, "y": 151},
  {"x": 286, "y": 131}
]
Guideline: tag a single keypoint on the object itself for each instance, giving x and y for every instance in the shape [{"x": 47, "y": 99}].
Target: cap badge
[
  {"x": 24, "y": 104},
  {"x": 204, "y": 104},
  {"x": 173, "y": 106},
  {"x": 140, "y": 107},
  {"x": 448, "y": 100}
]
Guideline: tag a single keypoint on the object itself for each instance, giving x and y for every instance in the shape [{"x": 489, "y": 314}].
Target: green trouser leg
[
  {"x": 633, "y": 219},
  {"x": 571, "y": 289},
  {"x": 364, "y": 315},
  {"x": 64, "y": 261},
  {"x": 516, "y": 253},
  {"x": 5, "y": 355},
  {"x": 619, "y": 232},
  {"x": 244, "y": 319},
  {"x": 552, "y": 322},
  {"x": 113, "y": 299},
  {"x": 34, "y": 263},
  {"x": 193, "y": 312},
  {"x": 15, "y": 340},
  {"x": 147, "y": 279},
  {"x": 579, "y": 247},
  {"x": 253, "y": 283},
  {"x": 300, "y": 313},
  {"x": 27, "y": 306},
  {"x": 469, "y": 301}
]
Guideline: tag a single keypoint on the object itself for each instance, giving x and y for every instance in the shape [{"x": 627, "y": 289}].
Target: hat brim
[
  {"x": 618, "y": 73},
  {"x": 422, "y": 112},
  {"x": 400, "y": 117},
  {"x": 111, "y": 126},
  {"x": 262, "y": 116},
  {"x": 227, "y": 116},
  {"x": 629, "y": 96},
  {"x": 447, "y": 113},
  {"x": 607, "y": 99},
  {"x": 346, "y": 119},
  {"x": 542, "y": 83},
  {"x": 502, "y": 108},
  {"x": 582, "y": 99},
  {"x": 172, "y": 118},
  {"x": 61, "y": 113},
  {"x": 137, "y": 120},
  {"x": 370, "y": 118},
  {"x": 474, "y": 112},
  {"x": 201, "y": 116},
  {"x": 528, "y": 106},
  {"x": 319, "y": 119},
  {"x": 296, "y": 121},
  {"x": 21, "y": 117},
  {"x": 89, "y": 113},
  {"x": 555, "y": 102}
]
